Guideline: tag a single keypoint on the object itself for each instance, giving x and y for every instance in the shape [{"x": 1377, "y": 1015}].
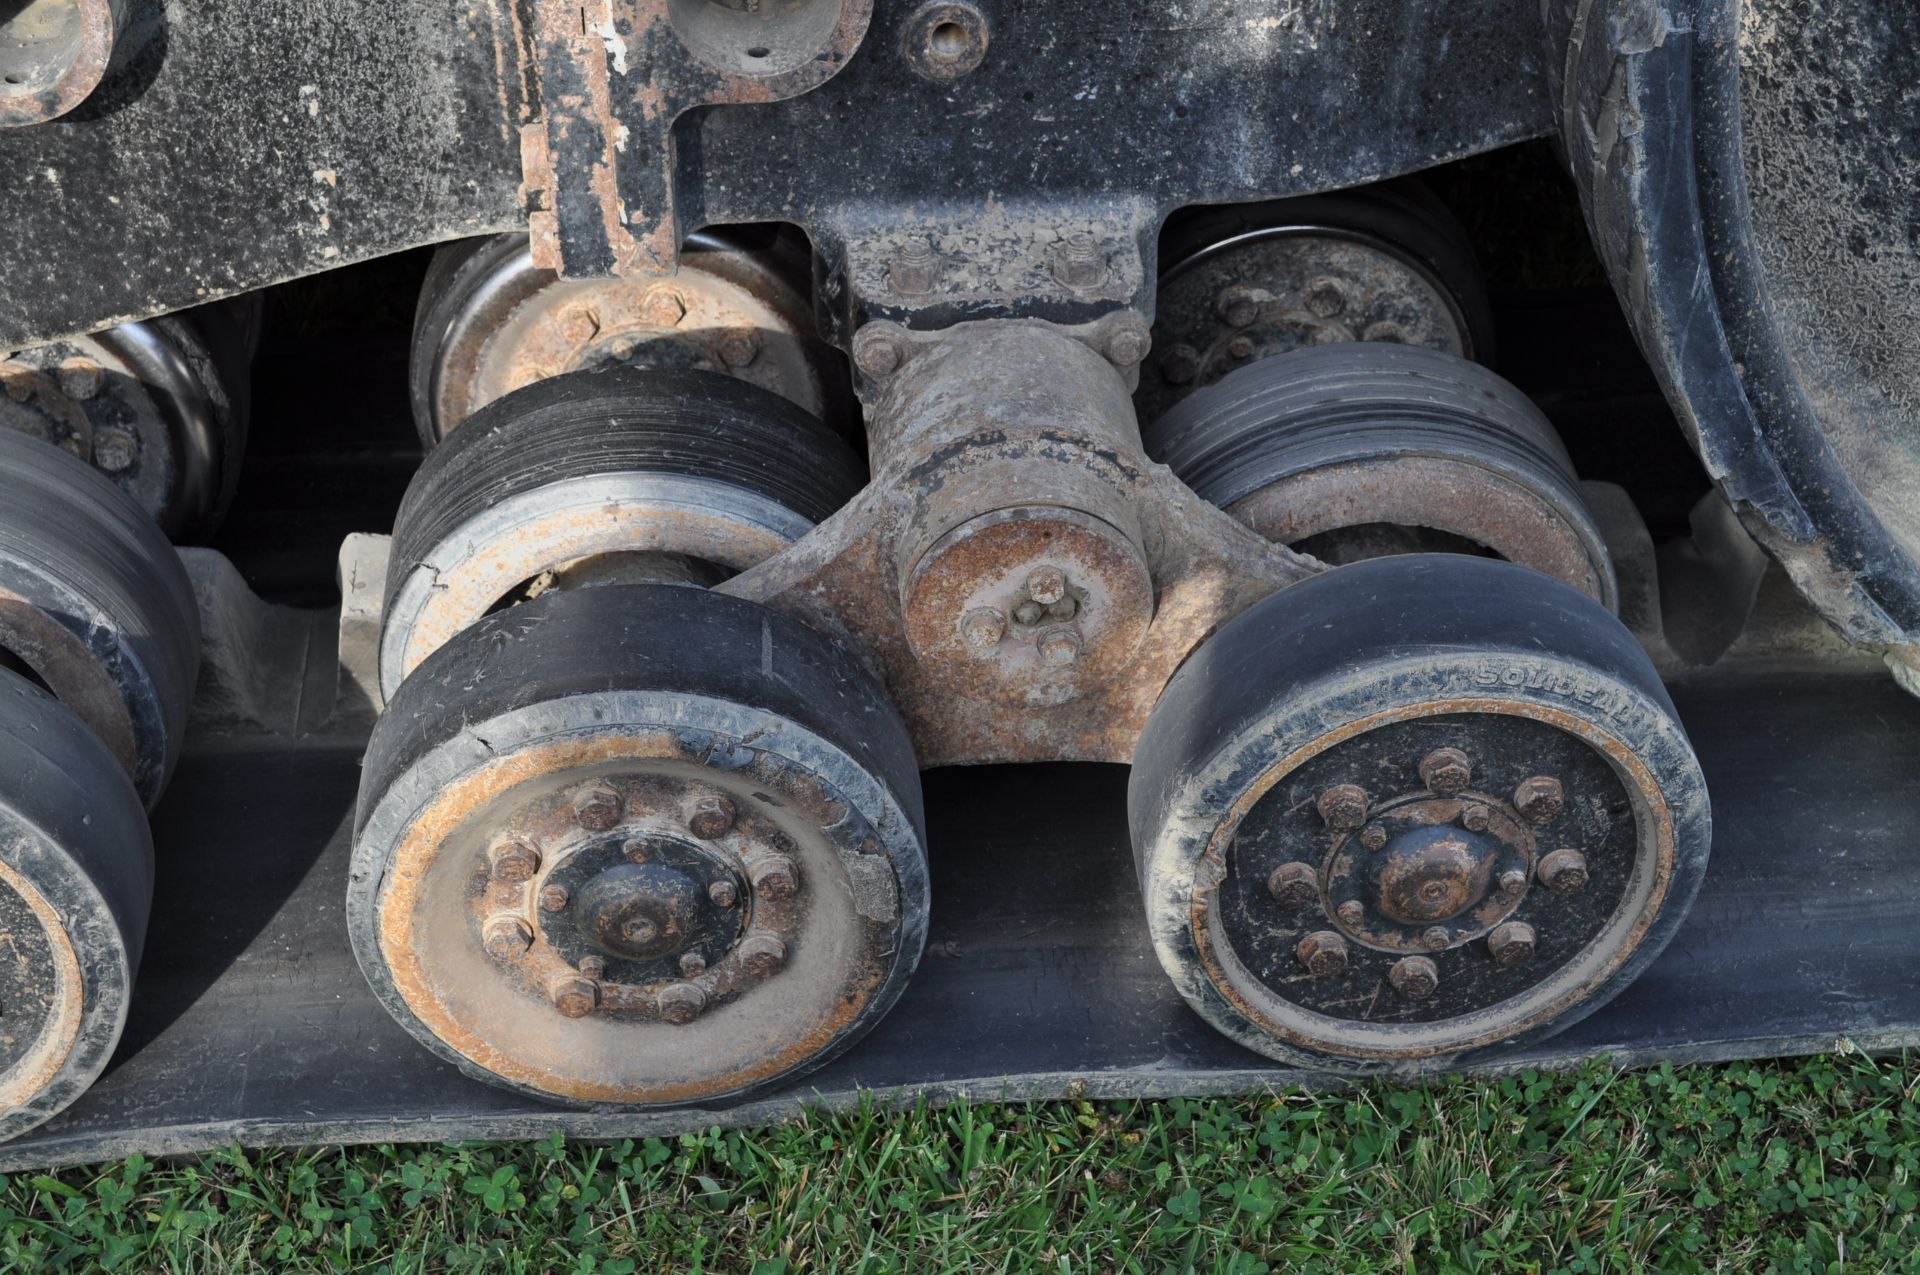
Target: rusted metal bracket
[{"x": 615, "y": 76}]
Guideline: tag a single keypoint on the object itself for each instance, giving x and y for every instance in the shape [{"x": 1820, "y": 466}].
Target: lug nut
[
  {"x": 1064, "y": 609},
  {"x": 580, "y": 324},
  {"x": 598, "y": 808},
  {"x": 573, "y": 995},
  {"x": 1539, "y": 799},
  {"x": 1293, "y": 885},
  {"x": 723, "y": 894},
  {"x": 1060, "y": 648},
  {"x": 1373, "y": 837},
  {"x": 1323, "y": 952},
  {"x": 1343, "y": 807},
  {"x": 81, "y": 379},
  {"x": 762, "y": 954},
  {"x": 1240, "y": 347},
  {"x": 1512, "y": 881},
  {"x": 1078, "y": 262},
  {"x": 1353, "y": 913},
  {"x": 692, "y": 965},
  {"x": 774, "y": 877},
  {"x": 1179, "y": 364},
  {"x": 1029, "y": 612},
  {"x": 983, "y": 628},
  {"x": 637, "y": 850},
  {"x": 1324, "y": 297},
  {"x": 1447, "y": 771},
  {"x": 1046, "y": 585},
  {"x": 915, "y": 268},
  {"x": 507, "y": 937},
  {"x": 1414, "y": 977},
  {"x": 1474, "y": 818},
  {"x": 512, "y": 860},
  {"x": 18, "y": 381},
  {"x": 1436, "y": 938},
  {"x": 1238, "y": 305},
  {"x": 594, "y": 967},
  {"x": 877, "y": 351},
  {"x": 663, "y": 308},
  {"x": 1510, "y": 944},
  {"x": 1563, "y": 871},
  {"x": 682, "y": 1002},
  {"x": 739, "y": 347},
  {"x": 553, "y": 898},
  {"x": 712, "y": 818}
]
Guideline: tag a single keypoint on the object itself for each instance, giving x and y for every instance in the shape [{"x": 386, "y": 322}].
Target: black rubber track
[
  {"x": 72, "y": 542},
  {"x": 1402, "y": 215},
  {"x": 72, "y": 825},
  {"x": 1330, "y": 404},
  {"x": 694, "y": 423},
  {"x": 1365, "y": 638}
]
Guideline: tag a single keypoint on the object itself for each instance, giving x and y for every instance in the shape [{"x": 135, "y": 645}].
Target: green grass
[{"x": 1795, "y": 1166}]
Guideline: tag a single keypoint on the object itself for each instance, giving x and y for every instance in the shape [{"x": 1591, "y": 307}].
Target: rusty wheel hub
[{"x": 653, "y": 899}]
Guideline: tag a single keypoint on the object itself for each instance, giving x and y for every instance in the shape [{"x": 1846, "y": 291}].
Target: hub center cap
[{"x": 1432, "y": 874}]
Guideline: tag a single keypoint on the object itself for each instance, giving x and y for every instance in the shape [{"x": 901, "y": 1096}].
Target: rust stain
[{"x": 39, "y": 1069}]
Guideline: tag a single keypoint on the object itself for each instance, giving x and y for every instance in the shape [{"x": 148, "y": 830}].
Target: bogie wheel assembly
[
  {"x": 99, "y": 645},
  {"x": 638, "y": 845},
  {"x": 1410, "y": 809}
]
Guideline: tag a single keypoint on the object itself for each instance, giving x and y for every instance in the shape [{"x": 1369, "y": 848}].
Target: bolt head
[
  {"x": 1475, "y": 818},
  {"x": 1029, "y": 612},
  {"x": 915, "y": 268},
  {"x": 723, "y": 894},
  {"x": 774, "y": 877},
  {"x": 739, "y": 347},
  {"x": 506, "y": 937},
  {"x": 1128, "y": 345},
  {"x": 1078, "y": 262},
  {"x": 597, "y": 808},
  {"x": 637, "y": 850},
  {"x": 1060, "y": 648},
  {"x": 1510, "y": 944},
  {"x": 1179, "y": 364},
  {"x": 762, "y": 954},
  {"x": 512, "y": 860},
  {"x": 983, "y": 628},
  {"x": 1373, "y": 837},
  {"x": 1240, "y": 347},
  {"x": 81, "y": 379},
  {"x": 17, "y": 380},
  {"x": 1238, "y": 305},
  {"x": 712, "y": 818},
  {"x": 1342, "y": 807},
  {"x": 1512, "y": 881},
  {"x": 1324, "y": 296},
  {"x": 877, "y": 351},
  {"x": 114, "y": 450},
  {"x": 1563, "y": 871},
  {"x": 594, "y": 967},
  {"x": 692, "y": 965},
  {"x": 1294, "y": 885},
  {"x": 580, "y": 324},
  {"x": 1446, "y": 771},
  {"x": 1353, "y": 912},
  {"x": 553, "y": 898},
  {"x": 1436, "y": 938},
  {"x": 1046, "y": 584},
  {"x": 1414, "y": 977},
  {"x": 663, "y": 307},
  {"x": 681, "y": 1003},
  {"x": 573, "y": 995},
  {"x": 1324, "y": 953},
  {"x": 1539, "y": 799},
  {"x": 1064, "y": 609}
]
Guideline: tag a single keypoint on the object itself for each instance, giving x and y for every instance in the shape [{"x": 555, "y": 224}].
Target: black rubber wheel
[
  {"x": 1412, "y": 812},
  {"x": 721, "y": 799},
  {"x": 96, "y": 607},
  {"x": 76, "y": 882},
  {"x": 693, "y": 464},
  {"x": 1358, "y": 449}
]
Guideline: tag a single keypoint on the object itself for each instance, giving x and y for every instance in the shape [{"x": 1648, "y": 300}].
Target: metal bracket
[{"x": 615, "y": 76}]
